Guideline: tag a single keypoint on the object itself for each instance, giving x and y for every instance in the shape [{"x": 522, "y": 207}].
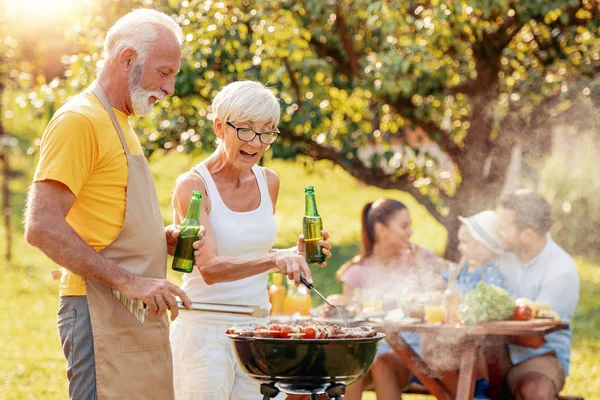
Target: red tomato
[
  {"x": 309, "y": 333},
  {"x": 523, "y": 313},
  {"x": 261, "y": 332},
  {"x": 285, "y": 331},
  {"x": 275, "y": 331}
]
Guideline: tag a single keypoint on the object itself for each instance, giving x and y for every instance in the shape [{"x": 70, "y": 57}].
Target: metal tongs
[
  {"x": 311, "y": 287},
  {"x": 236, "y": 309},
  {"x": 140, "y": 311}
]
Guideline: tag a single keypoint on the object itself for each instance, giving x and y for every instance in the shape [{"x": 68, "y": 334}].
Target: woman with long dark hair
[
  {"x": 385, "y": 249},
  {"x": 388, "y": 264}
]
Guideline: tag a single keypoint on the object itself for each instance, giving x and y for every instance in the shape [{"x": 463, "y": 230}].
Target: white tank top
[{"x": 245, "y": 234}]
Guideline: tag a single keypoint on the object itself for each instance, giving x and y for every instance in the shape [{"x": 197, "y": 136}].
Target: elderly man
[
  {"x": 93, "y": 210},
  {"x": 544, "y": 272}
]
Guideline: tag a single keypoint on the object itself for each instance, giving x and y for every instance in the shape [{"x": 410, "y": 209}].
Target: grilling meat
[
  {"x": 324, "y": 311},
  {"x": 313, "y": 330}
]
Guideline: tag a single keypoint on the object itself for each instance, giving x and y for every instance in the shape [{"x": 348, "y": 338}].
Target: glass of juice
[{"x": 434, "y": 314}]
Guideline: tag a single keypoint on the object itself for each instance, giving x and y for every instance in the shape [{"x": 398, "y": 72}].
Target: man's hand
[
  {"x": 172, "y": 233},
  {"x": 157, "y": 294},
  {"x": 326, "y": 246}
]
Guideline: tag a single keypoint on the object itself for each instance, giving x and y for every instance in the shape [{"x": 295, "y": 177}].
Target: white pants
[{"x": 205, "y": 366}]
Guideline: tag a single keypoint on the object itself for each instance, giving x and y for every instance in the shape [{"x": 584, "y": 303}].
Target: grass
[{"x": 31, "y": 361}]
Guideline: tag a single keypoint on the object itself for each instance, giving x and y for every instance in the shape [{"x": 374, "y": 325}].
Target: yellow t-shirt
[{"x": 81, "y": 149}]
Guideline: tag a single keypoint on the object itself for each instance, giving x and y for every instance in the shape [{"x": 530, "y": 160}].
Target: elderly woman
[{"x": 237, "y": 210}]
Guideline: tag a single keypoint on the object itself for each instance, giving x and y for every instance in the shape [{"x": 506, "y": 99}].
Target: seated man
[{"x": 544, "y": 272}]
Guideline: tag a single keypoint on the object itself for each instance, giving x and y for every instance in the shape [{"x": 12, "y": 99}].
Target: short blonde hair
[
  {"x": 138, "y": 30},
  {"x": 246, "y": 101}
]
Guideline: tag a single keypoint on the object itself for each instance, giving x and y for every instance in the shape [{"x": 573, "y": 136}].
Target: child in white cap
[{"x": 480, "y": 248}]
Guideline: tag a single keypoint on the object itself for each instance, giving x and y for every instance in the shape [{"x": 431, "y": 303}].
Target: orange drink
[
  {"x": 434, "y": 314},
  {"x": 297, "y": 300},
  {"x": 277, "y": 294},
  {"x": 297, "y": 304}
]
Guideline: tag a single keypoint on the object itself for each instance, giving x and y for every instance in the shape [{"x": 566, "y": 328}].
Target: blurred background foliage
[{"x": 429, "y": 97}]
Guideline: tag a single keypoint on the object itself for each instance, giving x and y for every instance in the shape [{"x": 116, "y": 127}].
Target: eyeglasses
[{"x": 248, "y": 135}]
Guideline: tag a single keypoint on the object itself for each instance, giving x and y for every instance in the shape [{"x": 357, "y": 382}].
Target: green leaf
[
  {"x": 406, "y": 85},
  {"x": 564, "y": 18}
]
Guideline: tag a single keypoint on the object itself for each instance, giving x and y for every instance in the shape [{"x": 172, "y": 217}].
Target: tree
[
  {"x": 428, "y": 97},
  {"x": 7, "y": 56}
]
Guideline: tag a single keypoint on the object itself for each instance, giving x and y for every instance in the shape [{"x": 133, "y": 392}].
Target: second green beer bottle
[
  {"x": 189, "y": 229},
  {"x": 311, "y": 227}
]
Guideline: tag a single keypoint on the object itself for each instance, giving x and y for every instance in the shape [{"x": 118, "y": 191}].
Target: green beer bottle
[
  {"x": 189, "y": 229},
  {"x": 312, "y": 226}
]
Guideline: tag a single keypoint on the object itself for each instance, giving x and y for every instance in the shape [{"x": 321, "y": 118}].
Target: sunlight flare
[{"x": 33, "y": 11}]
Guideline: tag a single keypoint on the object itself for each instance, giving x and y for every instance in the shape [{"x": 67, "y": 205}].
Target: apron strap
[{"x": 101, "y": 95}]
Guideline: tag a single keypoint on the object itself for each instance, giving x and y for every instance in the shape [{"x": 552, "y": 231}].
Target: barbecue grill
[{"x": 306, "y": 367}]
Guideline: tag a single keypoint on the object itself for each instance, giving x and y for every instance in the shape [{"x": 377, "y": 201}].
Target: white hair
[
  {"x": 246, "y": 101},
  {"x": 138, "y": 30}
]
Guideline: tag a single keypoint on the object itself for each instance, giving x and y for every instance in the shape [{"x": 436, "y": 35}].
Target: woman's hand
[
  {"x": 292, "y": 264},
  {"x": 325, "y": 245},
  {"x": 197, "y": 245}
]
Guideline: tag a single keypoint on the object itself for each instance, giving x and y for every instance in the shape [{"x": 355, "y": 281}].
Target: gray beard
[{"x": 138, "y": 95}]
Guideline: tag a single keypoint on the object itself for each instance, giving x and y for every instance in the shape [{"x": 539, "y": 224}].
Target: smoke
[
  {"x": 396, "y": 285},
  {"x": 412, "y": 289},
  {"x": 442, "y": 352},
  {"x": 560, "y": 163}
]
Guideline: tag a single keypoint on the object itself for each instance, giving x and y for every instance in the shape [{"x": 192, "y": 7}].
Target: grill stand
[
  {"x": 335, "y": 391},
  {"x": 268, "y": 391}
]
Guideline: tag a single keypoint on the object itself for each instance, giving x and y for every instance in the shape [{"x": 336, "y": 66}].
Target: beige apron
[{"x": 133, "y": 361}]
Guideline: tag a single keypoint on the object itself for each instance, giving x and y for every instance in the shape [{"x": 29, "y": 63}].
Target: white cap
[{"x": 483, "y": 227}]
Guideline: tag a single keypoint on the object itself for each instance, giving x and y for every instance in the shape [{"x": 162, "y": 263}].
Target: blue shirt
[
  {"x": 551, "y": 277},
  {"x": 467, "y": 280}
]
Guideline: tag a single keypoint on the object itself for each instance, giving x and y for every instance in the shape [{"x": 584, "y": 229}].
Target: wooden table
[{"x": 472, "y": 338}]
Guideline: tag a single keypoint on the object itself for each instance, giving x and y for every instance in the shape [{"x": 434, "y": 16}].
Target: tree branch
[
  {"x": 507, "y": 31},
  {"x": 468, "y": 87},
  {"x": 332, "y": 55},
  {"x": 370, "y": 176},
  {"x": 404, "y": 107},
  {"x": 353, "y": 60},
  {"x": 294, "y": 82}
]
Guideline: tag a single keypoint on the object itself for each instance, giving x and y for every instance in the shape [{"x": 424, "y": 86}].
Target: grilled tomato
[
  {"x": 309, "y": 333},
  {"x": 275, "y": 331}
]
